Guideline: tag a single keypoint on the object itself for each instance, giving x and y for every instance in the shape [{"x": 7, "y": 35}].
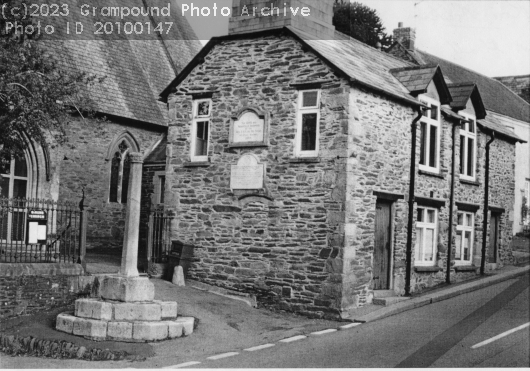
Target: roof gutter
[
  {"x": 412, "y": 186},
  {"x": 486, "y": 204}
]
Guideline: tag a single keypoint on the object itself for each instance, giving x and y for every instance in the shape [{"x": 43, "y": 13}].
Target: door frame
[
  {"x": 390, "y": 268},
  {"x": 497, "y": 226}
]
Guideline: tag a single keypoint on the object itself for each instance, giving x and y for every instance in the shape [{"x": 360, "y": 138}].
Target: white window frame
[
  {"x": 429, "y": 123},
  {"x": 527, "y": 195},
  {"x": 302, "y": 111},
  {"x": 157, "y": 185},
  {"x": 420, "y": 261},
  {"x": 467, "y": 136},
  {"x": 11, "y": 184},
  {"x": 196, "y": 119},
  {"x": 463, "y": 229}
]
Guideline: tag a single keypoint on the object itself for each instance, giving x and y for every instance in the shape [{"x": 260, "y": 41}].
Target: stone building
[
  {"x": 133, "y": 71},
  {"x": 288, "y": 167},
  {"x": 520, "y": 85},
  {"x": 501, "y": 102}
]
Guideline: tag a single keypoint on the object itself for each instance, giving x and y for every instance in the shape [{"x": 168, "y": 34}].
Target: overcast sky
[{"x": 491, "y": 37}]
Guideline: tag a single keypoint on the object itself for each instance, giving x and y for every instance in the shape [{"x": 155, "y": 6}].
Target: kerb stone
[
  {"x": 150, "y": 331},
  {"x": 187, "y": 325},
  {"x": 137, "y": 312},
  {"x": 120, "y": 330},
  {"x": 126, "y": 289},
  {"x": 90, "y": 327},
  {"x": 93, "y": 308},
  {"x": 65, "y": 323}
]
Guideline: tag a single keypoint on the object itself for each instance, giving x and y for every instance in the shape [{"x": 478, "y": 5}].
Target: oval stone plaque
[{"x": 247, "y": 174}]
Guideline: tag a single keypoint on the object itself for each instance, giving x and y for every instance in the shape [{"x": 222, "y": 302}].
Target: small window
[
  {"x": 200, "y": 135},
  {"x": 307, "y": 138},
  {"x": 464, "y": 238},
  {"x": 468, "y": 147},
  {"x": 430, "y": 135},
  {"x": 426, "y": 236}
]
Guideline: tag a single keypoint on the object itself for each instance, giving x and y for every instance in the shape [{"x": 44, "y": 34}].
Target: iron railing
[
  {"x": 42, "y": 231},
  {"x": 158, "y": 240}
]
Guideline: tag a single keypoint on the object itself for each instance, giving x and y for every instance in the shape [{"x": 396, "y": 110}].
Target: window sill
[
  {"x": 470, "y": 182},
  {"x": 430, "y": 173},
  {"x": 465, "y": 268},
  {"x": 197, "y": 164},
  {"x": 248, "y": 144},
  {"x": 427, "y": 269},
  {"x": 304, "y": 160}
]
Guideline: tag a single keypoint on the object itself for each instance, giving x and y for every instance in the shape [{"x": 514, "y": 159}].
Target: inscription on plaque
[
  {"x": 249, "y": 128},
  {"x": 247, "y": 174}
]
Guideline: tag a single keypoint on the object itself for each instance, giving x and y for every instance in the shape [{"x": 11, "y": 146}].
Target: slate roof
[
  {"x": 417, "y": 79},
  {"x": 495, "y": 123},
  {"x": 158, "y": 154},
  {"x": 135, "y": 69},
  {"x": 497, "y": 97},
  {"x": 360, "y": 63},
  {"x": 462, "y": 93}
]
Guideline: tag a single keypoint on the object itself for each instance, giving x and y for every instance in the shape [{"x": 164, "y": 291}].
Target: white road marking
[
  {"x": 294, "y": 338},
  {"x": 351, "y": 325},
  {"x": 187, "y": 364},
  {"x": 323, "y": 332},
  {"x": 259, "y": 347},
  {"x": 485, "y": 342},
  {"x": 224, "y": 355}
]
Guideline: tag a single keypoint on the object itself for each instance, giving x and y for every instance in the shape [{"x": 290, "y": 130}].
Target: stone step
[
  {"x": 119, "y": 311},
  {"x": 389, "y": 300},
  {"x": 384, "y": 293},
  {"x": 521, "y": 258},
  {"x": 137, "y": 331}
]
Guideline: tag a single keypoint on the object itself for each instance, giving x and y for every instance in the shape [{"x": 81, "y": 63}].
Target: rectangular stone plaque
[
  {"x": 249, "y": 128},
  {"x": 247, "y": 177}
]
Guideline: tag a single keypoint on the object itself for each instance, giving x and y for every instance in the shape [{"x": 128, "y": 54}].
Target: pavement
[{"x": 227, "y": 322}]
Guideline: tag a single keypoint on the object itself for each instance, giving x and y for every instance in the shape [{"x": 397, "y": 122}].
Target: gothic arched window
[
  {"x": 119, "y": 174},
  {"x": 14, "y": 184}
]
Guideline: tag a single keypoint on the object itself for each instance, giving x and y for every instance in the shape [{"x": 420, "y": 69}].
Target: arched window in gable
[{"x": 119, "y": 173}]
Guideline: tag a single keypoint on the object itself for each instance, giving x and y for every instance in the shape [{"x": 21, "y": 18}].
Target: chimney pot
[{"x": 400, "y": 24}]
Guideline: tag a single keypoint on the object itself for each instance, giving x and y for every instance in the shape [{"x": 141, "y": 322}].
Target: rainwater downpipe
[
  {"x": 451, "y": 203},
  {"x": 412, "y": 186},
  {"x": 486, "y": 204}
]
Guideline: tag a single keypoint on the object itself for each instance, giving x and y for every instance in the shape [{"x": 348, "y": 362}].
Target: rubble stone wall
[{"x": 280, "y": 244}]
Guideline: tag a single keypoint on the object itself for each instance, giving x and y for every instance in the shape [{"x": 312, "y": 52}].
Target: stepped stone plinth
[{"x": 126, "y": 310}]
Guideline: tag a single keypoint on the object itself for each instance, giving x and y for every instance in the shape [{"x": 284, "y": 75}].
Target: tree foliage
[
  {"x": 360, "y": 22},
  {"x": 36, "y": 95}
]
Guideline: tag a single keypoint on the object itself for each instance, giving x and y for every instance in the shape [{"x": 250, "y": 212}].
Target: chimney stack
[
  {"x": 405, "y": 35},
  {"x": 314, "y": 17}
]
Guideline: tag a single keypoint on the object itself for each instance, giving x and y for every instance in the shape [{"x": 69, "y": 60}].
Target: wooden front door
[
  {"x": 382, "y": 248},
  {"x": 494, "y": 238}
]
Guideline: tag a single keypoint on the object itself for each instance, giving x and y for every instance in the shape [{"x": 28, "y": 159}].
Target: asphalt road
[
  {"x": 445, "y": 334},
  {"x": 438, "y": 335}
]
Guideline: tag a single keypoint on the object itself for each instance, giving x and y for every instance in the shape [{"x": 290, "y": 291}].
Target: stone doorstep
[
  {"x": 389, "y": 300},
  {"x": 120, "y": 311},
  {"x": 139, "y": 331},
  {"x": 384, "y": 293}
]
